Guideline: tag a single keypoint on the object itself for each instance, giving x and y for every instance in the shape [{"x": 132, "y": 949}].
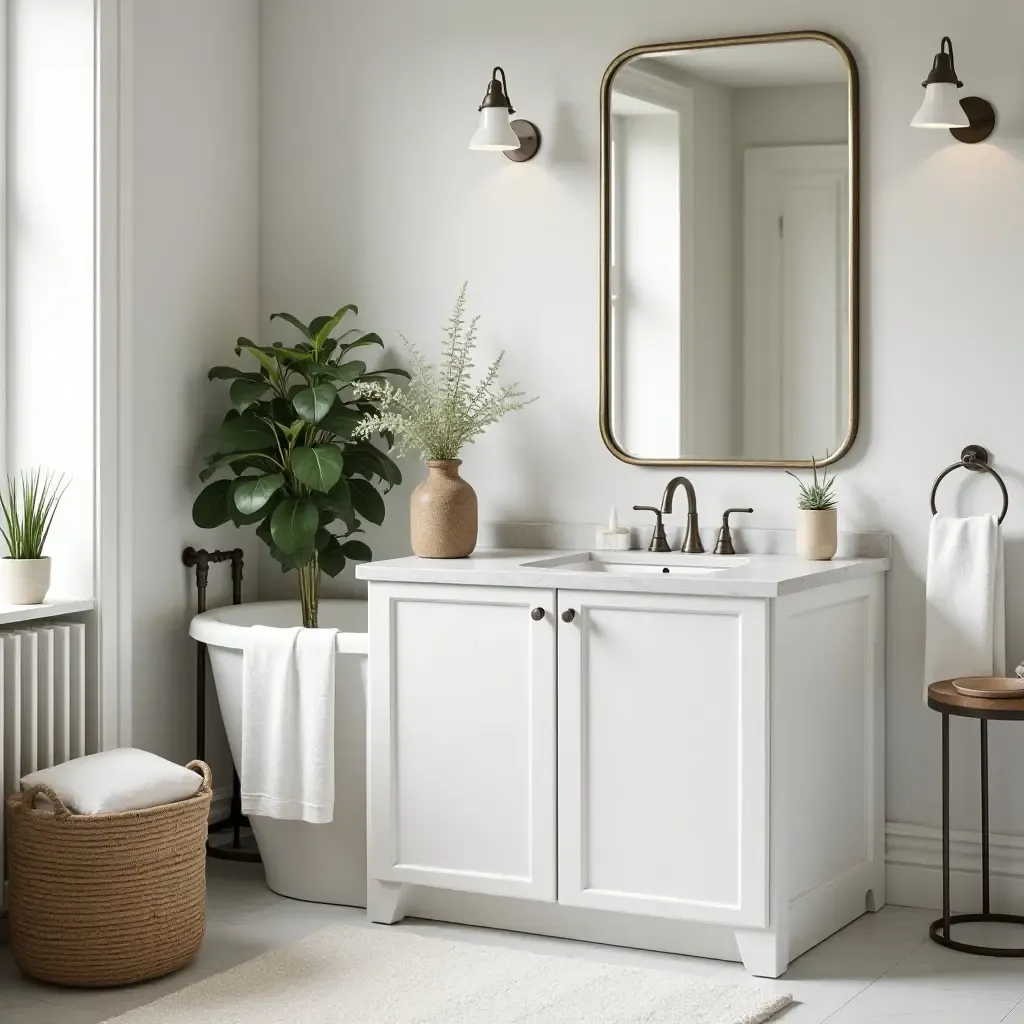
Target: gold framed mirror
[{"x": 730, "y": 252}]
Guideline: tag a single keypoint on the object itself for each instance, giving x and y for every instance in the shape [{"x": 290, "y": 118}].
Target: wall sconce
[
  {"x": 519, "y": 140},
  {"x": 968, "y": 120}
]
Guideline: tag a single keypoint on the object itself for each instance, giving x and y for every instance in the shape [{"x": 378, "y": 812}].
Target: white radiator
[{"x": 46, "y": 714}]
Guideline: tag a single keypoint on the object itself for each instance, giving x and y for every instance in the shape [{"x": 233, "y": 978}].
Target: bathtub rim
[{"x": 211, "y": 629}]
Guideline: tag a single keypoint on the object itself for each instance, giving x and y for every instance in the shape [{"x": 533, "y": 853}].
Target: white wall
[
  {"x": 49, "y": 386},
  {"x": 370, "y": 193},
  {"x": 190, "y": 184},
  {"x": 793, "y": 115}
]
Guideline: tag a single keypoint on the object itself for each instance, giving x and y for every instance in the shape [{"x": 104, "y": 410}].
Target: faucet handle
[
  {"x": 659, "y": 542},
  {"x": 724, "y": 545}
]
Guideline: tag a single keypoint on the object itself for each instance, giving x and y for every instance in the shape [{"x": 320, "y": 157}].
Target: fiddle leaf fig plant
[{"x": 286, "y": 455}]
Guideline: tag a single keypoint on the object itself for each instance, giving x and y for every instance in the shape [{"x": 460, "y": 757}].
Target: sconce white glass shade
[
  {"x": 941, "y": 108},
  {"x": 494, "y": 132}
]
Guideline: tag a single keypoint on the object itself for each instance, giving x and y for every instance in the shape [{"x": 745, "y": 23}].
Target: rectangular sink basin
[{"x": 653, "y": 564}]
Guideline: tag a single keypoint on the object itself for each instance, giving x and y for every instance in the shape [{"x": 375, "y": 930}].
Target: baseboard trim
[{"x": 913, "y": 857}]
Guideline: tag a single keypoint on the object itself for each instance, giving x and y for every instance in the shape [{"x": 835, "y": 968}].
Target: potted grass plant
[
  {"x": 28, "y": 506},
  {"x": 817, "y": 528},
  {"x": 440, "y": 412}
]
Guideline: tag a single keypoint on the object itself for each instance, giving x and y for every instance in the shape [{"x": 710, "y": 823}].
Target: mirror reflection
[{"x": 728, "y": 253}]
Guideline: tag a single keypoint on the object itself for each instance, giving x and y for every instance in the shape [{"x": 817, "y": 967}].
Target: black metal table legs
[{"x": 939, "y": 930}]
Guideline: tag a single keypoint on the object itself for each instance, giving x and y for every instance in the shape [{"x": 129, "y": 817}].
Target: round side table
[{"x": 945, "y": 699}]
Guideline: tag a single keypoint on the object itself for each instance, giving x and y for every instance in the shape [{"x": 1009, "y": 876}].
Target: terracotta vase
[
  {"x": 443, "y": 520},
  {"x": 817, "y": 533}
]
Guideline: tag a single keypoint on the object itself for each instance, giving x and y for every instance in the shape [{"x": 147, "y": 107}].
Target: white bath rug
[{"x": 353, "y": 975}]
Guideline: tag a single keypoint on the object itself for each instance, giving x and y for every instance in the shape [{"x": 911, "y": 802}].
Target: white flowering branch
[{"x": 441, "y": 410}]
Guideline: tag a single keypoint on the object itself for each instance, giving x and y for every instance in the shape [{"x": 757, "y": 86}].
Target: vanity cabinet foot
[
  {"x": 384, "y": 901},
  {"x": 765, "y": 954}
]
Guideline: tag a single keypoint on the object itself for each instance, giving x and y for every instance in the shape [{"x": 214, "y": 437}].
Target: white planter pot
[
  {"x": 24, "y": 580},
  {"x": 817, "y": 533}
]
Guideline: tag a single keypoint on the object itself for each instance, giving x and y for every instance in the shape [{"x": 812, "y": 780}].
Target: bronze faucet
[{"x": 691, "y": 542}]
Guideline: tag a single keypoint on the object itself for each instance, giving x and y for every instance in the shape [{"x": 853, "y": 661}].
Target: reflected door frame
[{"x": 772, "y": 174}]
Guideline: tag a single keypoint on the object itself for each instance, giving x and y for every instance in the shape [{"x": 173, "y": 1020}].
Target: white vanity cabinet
[{"x": 659, "y": 762}]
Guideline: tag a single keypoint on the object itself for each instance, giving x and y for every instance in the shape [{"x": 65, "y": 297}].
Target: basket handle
[
  {"x": 60, "y": 810},
  {"x": 203, "y": 769}
]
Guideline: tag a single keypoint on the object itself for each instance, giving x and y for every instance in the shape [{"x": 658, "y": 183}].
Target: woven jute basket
[{"x": 107, "y": 899}]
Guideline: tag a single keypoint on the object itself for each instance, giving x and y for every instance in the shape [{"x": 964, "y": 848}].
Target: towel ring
[{"x": 974, "y": 458}]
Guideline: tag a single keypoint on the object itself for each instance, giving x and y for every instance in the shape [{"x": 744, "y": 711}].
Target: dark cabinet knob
[
  {"x": 568, "y": 615},
  {"x": 537, "y": 614}
]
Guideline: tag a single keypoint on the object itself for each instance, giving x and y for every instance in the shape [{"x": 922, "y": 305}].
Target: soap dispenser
[{"x": 614, "y": 537}]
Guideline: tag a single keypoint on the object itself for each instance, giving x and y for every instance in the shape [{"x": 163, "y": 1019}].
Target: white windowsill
[{"x": 11, "y": 613}]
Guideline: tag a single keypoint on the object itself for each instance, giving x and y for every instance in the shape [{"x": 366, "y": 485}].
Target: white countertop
[{"x": 756, "y": 576}]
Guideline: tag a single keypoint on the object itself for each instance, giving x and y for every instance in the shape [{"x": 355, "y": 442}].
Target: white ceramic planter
[
  {"x": 24, "y": 580},
  {"x": 817, "y": 533}
]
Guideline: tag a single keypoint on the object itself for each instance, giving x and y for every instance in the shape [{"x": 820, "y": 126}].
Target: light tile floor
[{"x": 882, "y": 967}]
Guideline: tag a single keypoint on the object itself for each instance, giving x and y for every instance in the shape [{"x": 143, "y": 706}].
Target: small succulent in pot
[
  {"x": 817, "y": 528},
  {"x": 28, "y": 506}
]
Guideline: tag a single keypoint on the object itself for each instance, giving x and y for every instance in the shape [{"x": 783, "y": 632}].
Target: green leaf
[
  {"x": 290, "y": 560},
  {"x": 340, "y": 421},
  {"x": 240, "y": 519},
  {"x": 394, "y": 370},
  {"x": 294, "y": 321},
  {"x": 266, "y": 360},
  {"x": 343, "y": 375},
  {"x": 316, "y": 323},
  {"x": 211, "y": 507},
  {"x": 332, "y": 558},
  {"x": 325, "y": 328},
  {"x": 357, "y": 551},
  {"x": 294, "y": 524},
  {"x": 233, "y": 373},
  {"x": 252, "y": 493},
  {"x": 319, "y": 468},
  {"x": 244, "y": 392},
  {"x": 245, "y": 433},
  {"x": 366, "y": 339},
  {"x": 313, "y": 404},
  {"x": 292, "y": 355},
  {"x": 367, "y": 460},
  {"x": 217, "y": 461},
  {"x": 263, "y": 531},
  {"x": 366, "y": 500},
  {"x": 338, "y": 501},
  {"x": 359, "y": 463}
]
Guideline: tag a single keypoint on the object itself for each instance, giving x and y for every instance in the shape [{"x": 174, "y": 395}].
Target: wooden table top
[{"x": 943, "y": 696}]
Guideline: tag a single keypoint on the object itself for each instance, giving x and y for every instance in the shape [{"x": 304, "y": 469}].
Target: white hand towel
[
  {"x": 287, "y": 768},
  {"x": 965, "y": 619}
]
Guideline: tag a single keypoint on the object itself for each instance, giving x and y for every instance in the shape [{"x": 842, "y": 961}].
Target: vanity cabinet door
[
  {"x": 462, "y": 738},
  {"x": 662, "y": 755}
]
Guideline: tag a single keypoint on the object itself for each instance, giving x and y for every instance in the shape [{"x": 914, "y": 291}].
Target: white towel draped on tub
[
  {"x": 965, "y": 620},
  {"x": 287, "y": 768}
]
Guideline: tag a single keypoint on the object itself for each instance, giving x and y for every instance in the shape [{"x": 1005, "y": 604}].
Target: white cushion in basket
[{"x": 117, "y": 780}]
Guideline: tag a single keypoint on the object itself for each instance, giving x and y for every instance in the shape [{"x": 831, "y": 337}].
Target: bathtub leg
[{"x": 384, "y": 901}]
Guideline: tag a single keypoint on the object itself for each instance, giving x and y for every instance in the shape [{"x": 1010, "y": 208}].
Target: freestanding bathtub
[{"x": 323, "y": 863}]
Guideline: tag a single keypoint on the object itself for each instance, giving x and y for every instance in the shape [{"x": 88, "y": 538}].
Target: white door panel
[
  {"x": 662, "y": 756},
  {"x": 462, "y": 719}
]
